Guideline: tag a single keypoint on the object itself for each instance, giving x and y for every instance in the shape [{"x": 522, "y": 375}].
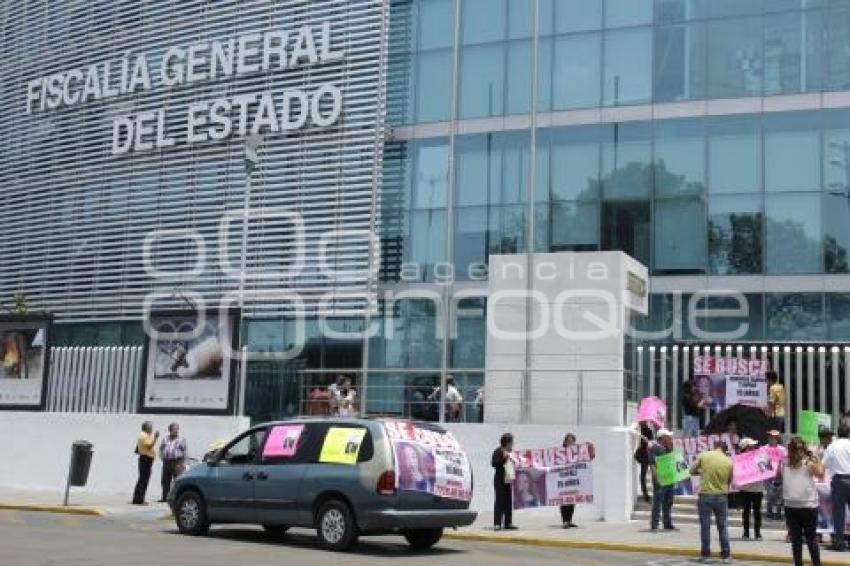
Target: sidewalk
[
  {"x": 81, "y": 502},
  {"x": 634, "y": 536}
]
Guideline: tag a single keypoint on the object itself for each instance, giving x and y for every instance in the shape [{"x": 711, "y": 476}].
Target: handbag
[{"x": 510, "y": 472}]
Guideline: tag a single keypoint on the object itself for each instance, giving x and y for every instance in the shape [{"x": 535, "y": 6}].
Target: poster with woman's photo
[
  {"x": 553, "y": 476},
  {"x": 189, "y": 366},
  {"x": 23, "y": 362},
  {"x": 429, "y": 461}
]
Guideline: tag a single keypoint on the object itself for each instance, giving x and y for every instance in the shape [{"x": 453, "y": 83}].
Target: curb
[
  {"x": 624, "y": 547},
  {"x": 60, "y": 509}
]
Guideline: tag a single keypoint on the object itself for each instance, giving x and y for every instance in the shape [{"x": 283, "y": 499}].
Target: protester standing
[
  {"x": 751, "y": 496},
  {"x": 715, "y": 469},
  {"x": 642, "y": 457},
  {"x": 146, "y": 450},
  {"x": 347, "y": 399},
  {"x": 801, "y": 499},
  {"x": 692, "y": 409},
  {"x": 776, "y": 401},
  {"x": 503, "y": 479},
  {"x": 568, "y": 510},
  {"x": 662, "y": 496},
  {"x": 773, "y": 487},
  {"x": 173, "y": 451},
  {"x": 836, "y": 460},
  {"x": 333, "y": 395}
]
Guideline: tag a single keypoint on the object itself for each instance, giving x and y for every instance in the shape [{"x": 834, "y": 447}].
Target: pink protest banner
[
  {"x": 652, "y": 409},
  {"x": 283, "y": 441},
  {"x": 755, "y": 466},
  {"x": 553, "y": 476}
]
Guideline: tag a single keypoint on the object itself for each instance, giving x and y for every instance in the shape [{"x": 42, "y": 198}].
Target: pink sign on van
[{"x": 283, "y": 441}]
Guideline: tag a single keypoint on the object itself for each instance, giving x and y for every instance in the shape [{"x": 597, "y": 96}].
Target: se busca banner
[
  {"x": 553, "y": 476},
  {"x": 429, "y": 461}
]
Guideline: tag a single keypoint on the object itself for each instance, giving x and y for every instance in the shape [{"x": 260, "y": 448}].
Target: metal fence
[
  {"x": 816, "y": 377},
  {"x": 94, "y": 380}
]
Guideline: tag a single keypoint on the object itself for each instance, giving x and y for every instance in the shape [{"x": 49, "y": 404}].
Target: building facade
[{"x": 709, "y": 139}]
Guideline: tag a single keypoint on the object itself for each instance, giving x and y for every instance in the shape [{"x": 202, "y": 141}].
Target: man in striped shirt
[{"x": 173, "y": 451}]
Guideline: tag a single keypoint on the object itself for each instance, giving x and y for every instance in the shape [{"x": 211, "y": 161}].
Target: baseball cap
[
  {"x": 746, "y": 443},
  {"x": 663, "y": 432}
]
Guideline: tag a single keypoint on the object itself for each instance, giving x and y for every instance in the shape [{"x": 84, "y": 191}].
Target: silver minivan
[{"x": 336, "y": 475}]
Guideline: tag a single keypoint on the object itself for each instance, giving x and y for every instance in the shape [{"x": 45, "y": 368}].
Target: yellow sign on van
[{"x": 342, "y": 445}]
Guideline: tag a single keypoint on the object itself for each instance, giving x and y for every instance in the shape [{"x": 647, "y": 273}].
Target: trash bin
[{"x": 81, "y": 452}]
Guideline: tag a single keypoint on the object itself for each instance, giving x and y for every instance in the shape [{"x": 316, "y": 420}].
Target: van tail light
[{"x": 386, "y": 483}]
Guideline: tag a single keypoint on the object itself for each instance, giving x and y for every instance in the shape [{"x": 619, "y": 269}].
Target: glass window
[
  {"x": 492, "y": 168},
  {"x": 620, "y": 13},
  {"x": 837, "y": 231},
  {"x": 672, "y": 11},
  {"x": 836, "y": 158},
  {"x": 564, "y": 16},
  {"x": 520, "y": 19},
  {"x": 627, "y": 161},
  {"x": 721, "y": 8},
  {"x": 795, "y": 316},
  {"x": 838, "y": 312},
  {"x": 734, "y": 154},
  {"x": 570, "y": 67},
  {"x": 574, "y": 226},
  {"x": 574, "y": 163},
  {"x": 792, "y": 52},
  {"x": 431, "y": 174},
  {"x": 628, "y": 67},
  {"x": 434, "y": 85},
  {"x": 436, "y": 24},
  {"x": 680, "y": 245},
  {"x": 680, "y": 62},
  {"x": 483, "y": 21},
  {"x": 838, "y": 49},
  {"x": 735, "y": 234},
  {"x": 427, "y": 241},
  {"x": 625, "y": 227},
  {"x": 481, "y": 231},
  {"x": 468, "y": 348},
  {"x": 735, "y": 57},
  {"x": 793, "y": 234},
  {"x": 792, "y": 159},
  {"x": 520, "y": 65},
  {"x": 482, "y": 80},
  {"x": 679, "y": 157}
]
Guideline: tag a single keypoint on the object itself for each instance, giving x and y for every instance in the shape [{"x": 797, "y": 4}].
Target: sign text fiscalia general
[{"x": 238, "y": 115}]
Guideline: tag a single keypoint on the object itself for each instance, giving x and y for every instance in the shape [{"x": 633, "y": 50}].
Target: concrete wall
[
  {"x": 37, "y": 447},
  {"x": 576, "y": 354},
  {"x": 613, "y": 475}
]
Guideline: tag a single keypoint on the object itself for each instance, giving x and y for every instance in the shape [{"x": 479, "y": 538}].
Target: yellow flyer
[{"x": 342, "y": 445}]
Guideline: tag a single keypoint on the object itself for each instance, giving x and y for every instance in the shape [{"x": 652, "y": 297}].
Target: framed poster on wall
[
  {"x": 189, "y": 362},
  {"x": 24, "y": 361}
]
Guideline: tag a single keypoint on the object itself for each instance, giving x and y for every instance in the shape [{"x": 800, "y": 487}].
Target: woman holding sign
[
  {"x": 503, "y": 479},
  {"x": 751, "y": 496},
  {"x": 568, "y": 510},
  {"x": 801, "y": 499}
]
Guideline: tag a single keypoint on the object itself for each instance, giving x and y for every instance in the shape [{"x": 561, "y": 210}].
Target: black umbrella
[{"x": 752, "y": 422}]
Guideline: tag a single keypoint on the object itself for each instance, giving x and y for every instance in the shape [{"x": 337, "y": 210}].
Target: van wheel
[
  {"x": 190, "y": 513},
  {"x": 423, "y": 539},
  {"x": 336, "y": 527},
  {"x": 276, "y": 530}
]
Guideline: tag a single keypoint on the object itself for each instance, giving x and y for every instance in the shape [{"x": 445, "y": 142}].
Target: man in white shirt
[
  {"x": 454, "y": 400},
  {"x": 836, "y": 459}
]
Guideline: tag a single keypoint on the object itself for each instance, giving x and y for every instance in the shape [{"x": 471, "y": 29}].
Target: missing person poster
[
  {"x": 671, "y": 468},
  {"x": 188, "y": 362},
  {"x": 553, "y": 476},
  {"x": 692, "y": 447},
  {"x": 23, "y": 361},
  {"x": 283, "y": 441},
  {"x": 429, "y": 460},
  {"x": 725, "y": 381},
  {"x": 755, "y": 466}
]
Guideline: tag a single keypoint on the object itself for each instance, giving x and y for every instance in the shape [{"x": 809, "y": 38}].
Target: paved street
[{"x": 34, "y": 539}]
